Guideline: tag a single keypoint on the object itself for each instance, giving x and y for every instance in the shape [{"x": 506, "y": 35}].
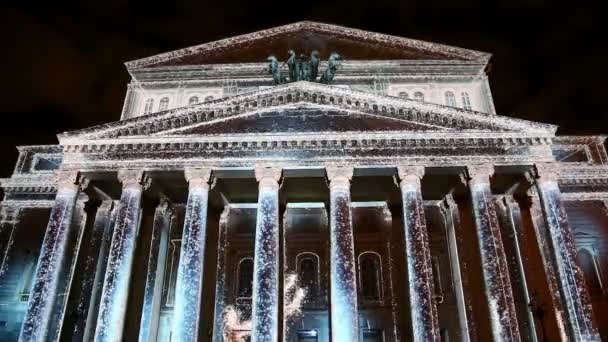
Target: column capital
[
  {"x": 198, "y": 176},
  {"x": 410, "y": 174},
  {"x": 545, "y": 171},
  {"x": 268, "y": 172},
  {"x": 68, "y": 178},
  {"x": 129, "y": 177},
  {"x": 478, "y": 173},
  {"x": 339, "y": 176}
]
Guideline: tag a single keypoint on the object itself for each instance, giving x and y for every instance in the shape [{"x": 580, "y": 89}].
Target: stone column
[
  {"x": 115, "y": 293},
  {"x": 499, "y": 295},
  {"x": 89, "y": 251},
  {"x": 220, "y": 282},
  {"x": 190, "y": 272},
  {"x": 342, "y": 277},
  {"x": 575, "y": 297},
  {"x": 9, "y": 218},
  {"x": 265, "y": 299},
  {"x": 425, "y": 324},
  {"x": 54, "y": 255},
  {"x": 155, "y": 276}
]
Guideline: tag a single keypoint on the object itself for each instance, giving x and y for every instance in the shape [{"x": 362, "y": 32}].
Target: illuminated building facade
[{"x": 388, "y": 203}]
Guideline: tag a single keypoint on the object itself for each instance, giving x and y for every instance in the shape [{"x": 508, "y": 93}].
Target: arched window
[
  {"x": 403, "y": 95},
  {"x": 244, "y": 275},
  {"x": 148, "y": 106},
  {"x": 164, "y": 104},
  {"x": 192, "y": 100},
  {"x": 208, "y": 98},
  {"x": 466, "y": 102},
  {"x": 450, "y": 99},
  {"x": 370, "y": 276},
  {"x": 419, "y": 96},
  {"x": 308, "y": 273}
]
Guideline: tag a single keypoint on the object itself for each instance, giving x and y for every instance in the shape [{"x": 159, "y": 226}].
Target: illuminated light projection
[{"x": 309, "y": 182}]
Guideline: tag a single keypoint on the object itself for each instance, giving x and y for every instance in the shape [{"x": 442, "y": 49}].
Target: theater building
[{"x": 360, "y": 187}]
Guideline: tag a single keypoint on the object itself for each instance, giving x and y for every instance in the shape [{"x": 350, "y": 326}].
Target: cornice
[
  {"x": 317, "y": 94},
  {"x": 444, "y": 51}
]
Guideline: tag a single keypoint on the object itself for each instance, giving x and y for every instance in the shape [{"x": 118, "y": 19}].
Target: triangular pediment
[
  {"x": 303, "y": 37},
  {"x": 304, "y": 107}
]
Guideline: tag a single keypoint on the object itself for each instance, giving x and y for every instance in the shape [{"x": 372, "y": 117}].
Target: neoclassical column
[
  {"x": 342, "y": 277},
  {"x": 497, "y": 285},
  {"x": 425, "y": 324},
  {"x": 265, "y": 299},
  {"x": 220, "y": 278},
  {"x": 89, "y": 251},
  {"x": 115, "y": 293},
  {"x": 189, "y": 285},
  {"x": 572, "y": 288},
  {"x": 9, "y": 218},
  {"x": 52, "y": 262},
  {"x": 155, "y": 276}
]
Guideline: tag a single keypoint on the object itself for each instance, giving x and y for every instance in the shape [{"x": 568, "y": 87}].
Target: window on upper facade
[
  {"x": 308, "y": 273},
  {"x": 403, "y": 95},
  {"x": 450, "y": 99},
  {"x": 419, "y": 96},
  {"x": 208, "y": 98},
  {"x": 164, "y": 104},
  {"x": 148, "y": 106},
  {"x": 244, "y": 287},
  {"x": 370, "y": 276},
  {"x": 466, "y": 101},
  {"x": 193, "y": 100}
]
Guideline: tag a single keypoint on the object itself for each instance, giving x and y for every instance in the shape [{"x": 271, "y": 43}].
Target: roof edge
[{"x": 457, "y": 52}]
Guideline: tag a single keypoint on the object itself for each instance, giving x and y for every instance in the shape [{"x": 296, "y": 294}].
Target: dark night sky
[{"x": 62, "y": 66}]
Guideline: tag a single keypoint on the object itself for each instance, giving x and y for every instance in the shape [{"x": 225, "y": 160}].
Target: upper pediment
[
  {"x": 304, "y": 107},
  {"x": 305, "y": 36}
]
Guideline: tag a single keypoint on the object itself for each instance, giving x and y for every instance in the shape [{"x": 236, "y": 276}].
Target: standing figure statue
[
  {"x": 314, "y": 65},
  {"x": 292, "y": 63},
  {"x": 304, "y": 66},
  {"x": 332, "y": 67},
  {"x": 274, "y": 70}
]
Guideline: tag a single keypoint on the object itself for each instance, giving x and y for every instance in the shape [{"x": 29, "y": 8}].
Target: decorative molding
[{"x": 395, "y": 42}]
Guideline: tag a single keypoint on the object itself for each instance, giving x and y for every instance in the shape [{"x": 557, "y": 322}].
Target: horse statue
[{"x": 332, "y": 67}]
